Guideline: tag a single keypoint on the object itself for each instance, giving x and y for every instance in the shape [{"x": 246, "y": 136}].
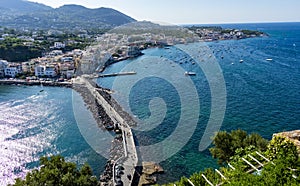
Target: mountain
[
  {"x": 28, "y": 15},
  {"x": 22, "y": 6}
]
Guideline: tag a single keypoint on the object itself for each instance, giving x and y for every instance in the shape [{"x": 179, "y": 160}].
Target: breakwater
[{"x": 127, "y": 157}]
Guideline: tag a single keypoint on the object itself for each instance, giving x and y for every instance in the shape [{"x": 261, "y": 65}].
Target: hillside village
[
  {"x": 55, "y": 64},
  {"x": 56, "y": 55}
]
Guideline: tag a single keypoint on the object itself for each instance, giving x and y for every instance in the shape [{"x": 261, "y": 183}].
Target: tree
[
  {"x": 282, "y": 148},
  {"x": 283, "y": 170},
  {"x": 223, "y": 149},
  {"x": 226, "y": 144},
  {"x": 56, "y": 171}
]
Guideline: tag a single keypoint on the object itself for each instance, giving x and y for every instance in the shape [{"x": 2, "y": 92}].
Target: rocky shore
[
  {"x": 116, "y": 152},
  {"x": 107, "y": 96},
  {"x": 98, "y": 112}
]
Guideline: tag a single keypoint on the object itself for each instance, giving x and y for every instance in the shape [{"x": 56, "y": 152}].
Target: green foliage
[
  {"x": 251, "y": 32},
  {"x": 56, "y": 171},
  {"x": 223, "y": 149},
  {"x": 226, "y": 144},
  {"x": 213, "y": 28},
  {"x": 68, "y": 17},
  {"x": 283, "y": 170},
  {"x": 282, "y": 148},
  {"x": 14, "y": 50},
  {"x": 17, "y": 50}
]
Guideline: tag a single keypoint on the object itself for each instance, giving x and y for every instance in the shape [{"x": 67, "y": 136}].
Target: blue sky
[{"x": 197, "y": 11}]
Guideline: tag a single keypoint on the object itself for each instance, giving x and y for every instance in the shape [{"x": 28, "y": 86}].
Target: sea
[{"x": 250, "y": 84}]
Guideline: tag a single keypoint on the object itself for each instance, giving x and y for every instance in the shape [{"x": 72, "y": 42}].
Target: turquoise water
[{"x": 262, "y": 96}]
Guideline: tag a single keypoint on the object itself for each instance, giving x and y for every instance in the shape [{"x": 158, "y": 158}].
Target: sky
[{"x": 196, "y": 11}]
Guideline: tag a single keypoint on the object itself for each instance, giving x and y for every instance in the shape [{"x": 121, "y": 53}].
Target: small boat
[
  {"x": 269, "y": 59},
  {"x": 241, "y": 61},
  {"x": 189, "y": 73}
]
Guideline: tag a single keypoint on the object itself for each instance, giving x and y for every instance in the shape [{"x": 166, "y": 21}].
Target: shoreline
[
  {"x": 104, "y": 122},
  {"x": 34, "y": 83}
]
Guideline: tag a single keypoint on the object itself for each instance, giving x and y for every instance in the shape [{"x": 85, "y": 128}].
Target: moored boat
[{"x": 189, "y": 73}]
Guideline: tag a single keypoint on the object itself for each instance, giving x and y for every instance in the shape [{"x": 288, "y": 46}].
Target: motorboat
[{"x": 189, "y": 73}]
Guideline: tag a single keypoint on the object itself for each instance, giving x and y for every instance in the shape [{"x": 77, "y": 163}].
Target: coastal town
[
  {"x": 62, "y": 61},
  {"x": 75, "y": 68},
  {"x": 181, "y": 93}
]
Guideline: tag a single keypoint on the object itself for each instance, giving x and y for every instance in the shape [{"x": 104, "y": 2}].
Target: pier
[
  {"x": 117, "y": 74},
  {"x": 130, "y": 159}
]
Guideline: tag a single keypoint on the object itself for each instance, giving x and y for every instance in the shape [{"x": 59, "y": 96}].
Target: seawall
[
  {"x": 122, "y": 120},
  {"x": 36, "y": 82}
]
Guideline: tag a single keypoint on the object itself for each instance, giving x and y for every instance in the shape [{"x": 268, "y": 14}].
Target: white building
[
  {"x": 12, "y": 70},
  {"x": 39, "y": 71},
  {"x": 68, "y": 73},
  {"x": 50, "y": 71},
  {"x": 3, "y": 65},
  {"x": 66, "y": 59},
  {"x": 45, "y": 70},
  {"x": 55, "y": 53},
  {"x": 59, "y": 45}
]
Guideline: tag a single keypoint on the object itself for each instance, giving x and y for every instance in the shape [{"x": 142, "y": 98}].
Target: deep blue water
[{"x": 262, "y": 96}]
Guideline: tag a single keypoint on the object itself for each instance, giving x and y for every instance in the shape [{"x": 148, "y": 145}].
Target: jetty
[
  {"x": 129, "y": 161},
  {"x": 117, "y": 74}
]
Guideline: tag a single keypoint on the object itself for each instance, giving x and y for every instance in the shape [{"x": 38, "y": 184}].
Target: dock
[
  {"x": 130, "y": 159},
  {"x": 117, "y": 74}
]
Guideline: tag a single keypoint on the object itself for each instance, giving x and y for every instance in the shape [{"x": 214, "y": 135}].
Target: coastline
[
  {"x": 103, "y": 120},
  {"x": 34, "y": 83},
  {"x": 99, "y": 114}
]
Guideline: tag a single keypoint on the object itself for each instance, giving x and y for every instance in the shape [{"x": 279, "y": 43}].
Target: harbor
[{"x": 110, "y": 116}]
